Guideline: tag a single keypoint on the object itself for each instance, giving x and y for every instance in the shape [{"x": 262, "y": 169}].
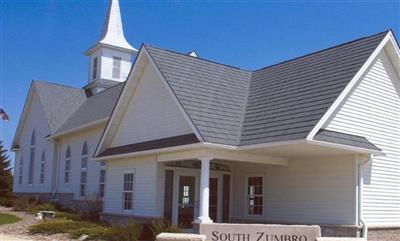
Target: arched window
[
  {"x": 42, "y": 166},
  {"x": 84, "y": 155},
  {"x": 32, "y": 157},
  {"x": 33, "y": 138},
  {"x": 21, "y": 170},
  {"x": 67, "y": 167},
  {"x": 84, "y": 161}
]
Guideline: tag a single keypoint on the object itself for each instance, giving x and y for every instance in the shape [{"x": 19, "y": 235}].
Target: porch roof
[
  {"x": 345, "y": 139},
  {"x": 150, "y": 145}
]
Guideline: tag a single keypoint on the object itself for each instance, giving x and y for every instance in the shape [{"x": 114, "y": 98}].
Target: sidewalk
[{"x": 12, "y": 238}]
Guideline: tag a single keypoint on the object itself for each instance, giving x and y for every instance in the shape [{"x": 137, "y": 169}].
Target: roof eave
[
  {"x": 98, "y": 45},
  {"x": 79, "y": 128}
]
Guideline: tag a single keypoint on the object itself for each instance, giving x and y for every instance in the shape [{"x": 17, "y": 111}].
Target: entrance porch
[{"x": 254, "y": 188}]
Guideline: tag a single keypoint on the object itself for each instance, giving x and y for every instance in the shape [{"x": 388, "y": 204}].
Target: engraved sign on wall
[{"x": 259, "y": 232}]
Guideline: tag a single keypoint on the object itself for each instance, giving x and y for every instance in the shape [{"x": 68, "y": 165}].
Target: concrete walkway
[{"x": 12, "y": 238}]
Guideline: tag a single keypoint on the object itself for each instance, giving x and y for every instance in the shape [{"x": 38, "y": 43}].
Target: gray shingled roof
[
  {"x": 287, "y": 100},
  {"x": 94, "y": 108},
  {"x": 281, "y": 102},
  {"x": 345, "y": 139},
  {"x": 58, "y": 101},
  {"x": 213, "y": 95}
]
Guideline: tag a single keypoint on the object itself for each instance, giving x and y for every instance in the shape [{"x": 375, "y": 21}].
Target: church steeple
[{"x": 111, "y": 56}]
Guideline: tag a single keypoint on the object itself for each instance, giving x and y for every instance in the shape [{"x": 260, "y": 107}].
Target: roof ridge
[
  {"x": 53, "y": 83},
  {"x": 106, "y": 90},
  {"x": 199, "y": 58},
  {"x": 322, "y": 50},
  {"x": 244, "y": 108}
]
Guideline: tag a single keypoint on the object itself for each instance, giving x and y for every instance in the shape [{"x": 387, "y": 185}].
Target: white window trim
[
  {"x": 31, "y": 171},
  {"x": 83, "y": 183},
  {"x": 114, "y": 67},
  {"x": 65, "y": 166},
  {"x": 131, "y": 171},
  {"x": 103, "y": 168},
  {"x": 21, "y": 170},
  {"x": 246, "y": 200},
  {"x": 84, "y": 169},
  {"x": 95, "y": 71}
]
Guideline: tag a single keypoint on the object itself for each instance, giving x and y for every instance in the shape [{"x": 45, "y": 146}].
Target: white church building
[{"x": 312, "y": 140}]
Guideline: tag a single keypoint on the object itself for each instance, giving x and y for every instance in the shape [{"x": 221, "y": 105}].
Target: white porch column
[{"x": 204, "y": 191}]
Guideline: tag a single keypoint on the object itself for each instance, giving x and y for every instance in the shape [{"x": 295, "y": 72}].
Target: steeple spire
[
  {"x": 112, "y": 34},
  {"x": 111, "y": 57}
]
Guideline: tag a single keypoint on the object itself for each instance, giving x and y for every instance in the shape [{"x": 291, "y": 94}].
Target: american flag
[{"x": 3, "y": 115}]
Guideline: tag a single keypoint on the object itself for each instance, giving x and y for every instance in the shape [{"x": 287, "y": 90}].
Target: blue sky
[{"x": 46, "y": 39}]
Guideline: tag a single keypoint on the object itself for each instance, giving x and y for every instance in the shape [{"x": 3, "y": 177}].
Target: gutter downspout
[{"x": 361, "y": 165}]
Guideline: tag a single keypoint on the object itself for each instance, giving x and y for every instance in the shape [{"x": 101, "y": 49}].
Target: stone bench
[
  {"x": 45, "y": 215},
  {"x": 180, "y": 237}
]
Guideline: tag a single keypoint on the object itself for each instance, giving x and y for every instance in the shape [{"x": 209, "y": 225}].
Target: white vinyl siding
[
  {"x": 78, "y": 160},
  {"x": 373, "y": 111},
  {"x": 35, "y": 120},
  {"x": 145, "y": 202},
  {"x": 311, "y": 191},
  {"x": 151, "y": 113}
]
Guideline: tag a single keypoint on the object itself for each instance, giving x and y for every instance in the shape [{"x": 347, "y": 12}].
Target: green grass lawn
[{"x": 8, "y": 218}]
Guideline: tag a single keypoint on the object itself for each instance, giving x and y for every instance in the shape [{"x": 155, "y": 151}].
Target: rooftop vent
[{"x": 193, "y": 54}]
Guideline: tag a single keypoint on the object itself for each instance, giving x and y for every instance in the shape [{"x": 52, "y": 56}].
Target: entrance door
[
  {"x": 213, "y": 210},
  {"x": 186, "y": 201}
]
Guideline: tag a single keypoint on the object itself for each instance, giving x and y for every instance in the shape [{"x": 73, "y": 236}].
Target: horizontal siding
[
  {"x": 373, "y": 111},
  {"x": 93, "y": 169},
  {"x": 317, "y": 191},
  {"x": 145, "y": 201},
  {"x": 151, "y": 114},
  {"x": 35, "y": 121}
]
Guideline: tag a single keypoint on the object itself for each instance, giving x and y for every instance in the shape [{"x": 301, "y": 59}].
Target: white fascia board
[
  {"x": 345, "y": 147},
  {"x": 149, "y": 152},
  {"x": 137, "y": 66},
  {"x": 227, "y": 155},
  {"x": 395, "y": 44},
  {"x": 85, "y": 126},
  {"x": 199, "y": 150},
  {"x": 272, "y": 144},
  {"x": 345, "y": 93},
  {"x": 172, "y": 94},
  {"x": 23, "y": 115}
]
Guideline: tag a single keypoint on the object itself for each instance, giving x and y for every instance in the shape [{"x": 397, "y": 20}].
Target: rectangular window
[
  {"x": 127, "y": 194},
  {"x": 67, "y": 170},
  {"x": 42, "y": 166},
  {"x": 94, "y": 75},
  {"x": 116, "y": 67},
  {"x": 21, "y": 170},
  {"x": 31, "y": 164},
  {"x": 83, "y": 184},
  {"x": 102, "y": 182},
  {"x": 255, "y": 195}
]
